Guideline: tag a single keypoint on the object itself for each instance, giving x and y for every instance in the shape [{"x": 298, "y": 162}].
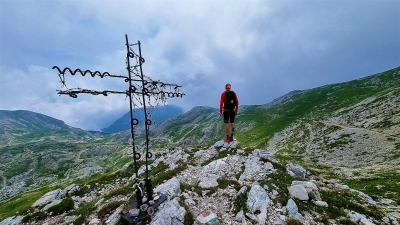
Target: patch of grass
[
  {"x": 291, "y": 221},
  {"x": 188, "y": 219},
  {"x": 282, "y": 181},
  {"x": 339, "y": 200},
  {"x": 242, "y": 167},
  {"x": 21, "y": 203},
  {"x": 80, "y": 220},
  {"x": 224, "y": 183},
  {"x": 108, "y": 208},
  {"x": 347, "y": 221},
  {"x": 240, "y": 203},
  {"x": 168, "y": 174},
  {"x": 160, "y": 168},
  {"x": 196, "y": 189},
  {"x": 39, "y": 215},
  {"x": 84, "y": 210},
  {"x": 379, "y": 184},
  {"x": 124, "y": 190},
  {"x": 65, "y": 205}
]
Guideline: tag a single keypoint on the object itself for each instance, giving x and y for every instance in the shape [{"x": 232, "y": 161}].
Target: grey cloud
[{"x": 263, "y": 48}]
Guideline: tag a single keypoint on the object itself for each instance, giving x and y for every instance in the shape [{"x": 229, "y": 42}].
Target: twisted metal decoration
[{"x": 142, "y": 90}]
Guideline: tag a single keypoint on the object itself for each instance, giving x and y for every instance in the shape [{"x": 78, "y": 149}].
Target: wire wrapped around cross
[{"x": 143, "y": 93}]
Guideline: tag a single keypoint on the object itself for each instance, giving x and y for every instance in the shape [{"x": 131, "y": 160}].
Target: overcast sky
[{"x": 265, "y": 49}]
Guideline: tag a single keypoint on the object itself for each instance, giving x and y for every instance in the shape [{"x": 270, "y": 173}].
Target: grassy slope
[{"x": 311, "y": 105}]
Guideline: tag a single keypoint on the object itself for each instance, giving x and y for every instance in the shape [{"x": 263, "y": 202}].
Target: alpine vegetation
[
  {"x": 327, "y": 155},
  {"x": 220, "y": 184}
]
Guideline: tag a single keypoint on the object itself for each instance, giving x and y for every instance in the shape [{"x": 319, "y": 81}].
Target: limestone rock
[
  {"x": 366, "y": 221},
  {"x": 254, "y": 218},
  {"x": 299, "y": 192},
  {"x": 47, "y": 198},
  {"x": 114, "y": 218},
  {"x": 321, "y": 203},
  {"x": 268, "y": 166},
  {"x": 366, "y": 197},
  {"x": 53, "y": 203},
  {"x": 209, "y": 181},
  {"x": 239, "y": 216},
  {"x": 296, "y": 171},
  {"x": 242, "y": 190},
  {"x": 291, "y": 207},
  {"x": 125, "y": 167},
  {"x": 94, "y": 221},
  {"x": 293, "y": 211},
  {"x": 219, "y": 144},
  {"x": 170, "y": 188},
  {"x": 312, "y": 189},
  {"x": 386, "y": 201},
  {"x": 12, "y": 220},
  {"x": 394, "y": 216},
  {"x": 253, "y": 169},
  {"x": 190, "y": 201},
  {"x": 356, "y": 217},
  {"x": 170, "y": 212},
  {"x": 226, "y": 145},
  {"x": 258, "y": 200},
  {"x": 264, "y": 155}
]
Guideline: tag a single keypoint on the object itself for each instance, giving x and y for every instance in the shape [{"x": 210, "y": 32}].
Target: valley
[{"x": 346, "y": 133}]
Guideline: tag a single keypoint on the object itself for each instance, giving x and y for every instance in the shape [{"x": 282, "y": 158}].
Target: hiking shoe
[
  {"x": 231, "y": 139},
  {"x": 227, "y": 139}
]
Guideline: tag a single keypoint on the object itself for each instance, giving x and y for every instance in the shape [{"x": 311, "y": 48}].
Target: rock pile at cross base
[{"x": 221, "y": 185}]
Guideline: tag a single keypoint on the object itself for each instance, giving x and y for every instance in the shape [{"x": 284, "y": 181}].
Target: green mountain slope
[
  {"x": 21, "y": 126},
  {"x": 36, "y": 149},
  {"x": 256, "y": 125},
  {"x": 348, "y": 131}
]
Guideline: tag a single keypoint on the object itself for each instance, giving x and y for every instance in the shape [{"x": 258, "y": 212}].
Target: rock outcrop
[{"x": 219, "y": 185}]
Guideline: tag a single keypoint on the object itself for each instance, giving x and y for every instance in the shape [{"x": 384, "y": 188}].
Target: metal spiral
[{"x": 141, "y": 90}]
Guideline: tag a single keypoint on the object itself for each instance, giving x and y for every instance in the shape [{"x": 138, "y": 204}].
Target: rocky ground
[{"x": 221, "y": 185}]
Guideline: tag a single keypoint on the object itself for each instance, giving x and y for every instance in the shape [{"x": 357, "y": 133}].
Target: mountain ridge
[
  {"x": 158, "y": 115},
  {"x": 348, "y": 132},
  {"x": 22, "y": 126}
]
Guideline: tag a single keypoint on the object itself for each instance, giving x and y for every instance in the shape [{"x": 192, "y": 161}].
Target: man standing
[{"x": 228, "y": 106}]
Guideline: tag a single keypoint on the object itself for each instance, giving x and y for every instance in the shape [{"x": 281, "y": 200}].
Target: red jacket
[{"x": 222, "y": 101}]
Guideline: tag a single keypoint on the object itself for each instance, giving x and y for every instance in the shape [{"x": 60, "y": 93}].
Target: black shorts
[{"x": 229, "y": 116}]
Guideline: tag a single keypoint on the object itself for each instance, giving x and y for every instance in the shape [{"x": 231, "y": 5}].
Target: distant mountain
[
  {"x": 345, "y": 133},
  {"x": 21, "y": 126},
  {"x": 160, "y": 114}
]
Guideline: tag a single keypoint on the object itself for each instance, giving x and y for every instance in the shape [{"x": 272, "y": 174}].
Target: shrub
[
  {"x": 40, "y": 215},
  {"x": 241, "y": 203},
  {"x": 65, "y": 205},
  {"x": 347, "y": 221},
  {"x": 168, "y": 174},
  {"x": 79, "y": 220},
  {"x": 293, "y": 222}
]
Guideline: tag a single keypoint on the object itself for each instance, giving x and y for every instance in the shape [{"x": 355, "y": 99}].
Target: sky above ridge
[{"x": 265, "y": 49}]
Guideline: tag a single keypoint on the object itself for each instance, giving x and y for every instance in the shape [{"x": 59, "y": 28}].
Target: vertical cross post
[{"x": 140, "y": 88}]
